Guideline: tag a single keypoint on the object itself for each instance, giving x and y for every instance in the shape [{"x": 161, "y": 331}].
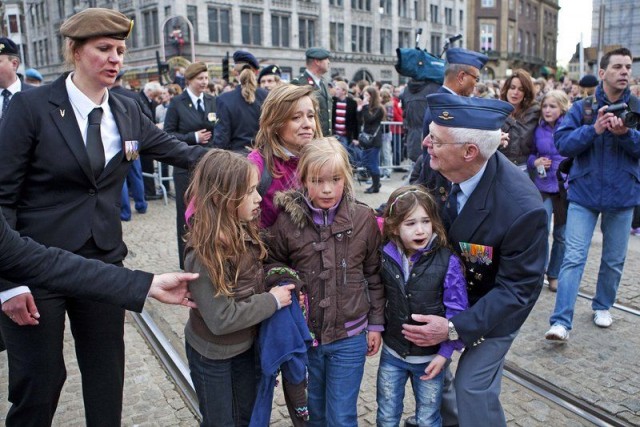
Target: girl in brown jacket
[
  {"x": 332, "y": 242},
  {"x": 223, "y": 245}
]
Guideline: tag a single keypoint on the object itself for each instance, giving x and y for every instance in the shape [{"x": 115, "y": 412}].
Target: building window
[
  {"x": 307, "y": 33},
  {"x": 403, "y": 8},
  {"x": 521, "y": 7},
  {"x": 335, "y": 2},
  {"x": 461, "y": 20},
  {"x": 448, "y": 16},
  {"x": 433, "y": 10},
  {"x": 512, "y": 4},
  {"x": 385, "y": 7},
  {"x": 436, "y": 43},
  {"x": 528, "y": 10},
  {"x": 251, "y": 28},
  {"x": 385, "y": 42},
  {"x": 61, "y": 9},
  {"x": 527, "y": 44},
  {"x": 361, "y": 4},
  {"x": 192, "y": 16},
  {"x": 404, "y": 38},
  {"x": 535, "y": 13},
  {"x": 13, "y": 23},
  {"x": 336, "y": 37},
  {"x": 150, "y": 25},
  {"x": 510, "y": 41},
  {"x": 280, "y": 30},
  {"x": 534, "y": 45},
  {"x": 219, "y": 25},
  {"x": 133, "y": 41},
  {"x": 487, "y": 39},
  {"x": 361, "y": 39},
  {"x": 520, "y": 42},
  {"x": 488, "y": 3}
]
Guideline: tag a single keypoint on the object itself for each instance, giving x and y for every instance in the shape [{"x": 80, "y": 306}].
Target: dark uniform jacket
[
  {"x": 47, "y": 188},
  {"x": 325, "y": 102},
  {"x": 183, "y": 119},
  {"x": 238, "y": 122},
  {"x": 23, "y": 260},
  {"x": 501, "y": 237}
]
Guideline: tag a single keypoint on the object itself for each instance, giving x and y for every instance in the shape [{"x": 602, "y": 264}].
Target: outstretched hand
[{"x": 171, "y": 288}]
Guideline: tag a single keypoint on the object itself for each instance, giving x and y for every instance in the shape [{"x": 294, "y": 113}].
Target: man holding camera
[{"x": 603, "y": 181}]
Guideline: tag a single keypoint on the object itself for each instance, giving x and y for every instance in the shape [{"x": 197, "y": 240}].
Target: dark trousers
[
  {"x": 36, "y": 365},
  {"x": 636, "y": 218},
  {"x": 226, "y": 388},
  {"x": 181, "y": 182},
  {"x": 149, "y": 183},
  {"x": 133, "y": 184}
]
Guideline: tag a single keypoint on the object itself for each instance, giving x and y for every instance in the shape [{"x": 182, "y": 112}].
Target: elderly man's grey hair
[{"x": 487, "y": 141}]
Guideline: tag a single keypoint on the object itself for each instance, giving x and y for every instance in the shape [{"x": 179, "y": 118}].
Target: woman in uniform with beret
[
  {"x": 239, "y": 110},
  {"x": 191, "y": 117},
  {"x": 67, "y": 148}
]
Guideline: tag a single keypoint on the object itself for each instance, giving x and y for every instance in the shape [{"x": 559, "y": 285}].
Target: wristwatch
[{"x": 453, "y": 334}]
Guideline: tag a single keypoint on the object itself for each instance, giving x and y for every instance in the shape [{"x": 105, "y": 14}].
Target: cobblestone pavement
[{"x": 598, "y": 365}]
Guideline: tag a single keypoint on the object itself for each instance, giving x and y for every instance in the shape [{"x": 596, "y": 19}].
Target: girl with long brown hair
[{"x": 224, "y": 246}]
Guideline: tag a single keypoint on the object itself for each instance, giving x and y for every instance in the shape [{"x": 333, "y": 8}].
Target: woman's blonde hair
[
  {"x": 248, "y": 81},
  {"x": 277, "y": 109},
  {"x": 320, "y": 152},
  {"x": 401, "y": 203},
  {"x": 217, "y": 236}
]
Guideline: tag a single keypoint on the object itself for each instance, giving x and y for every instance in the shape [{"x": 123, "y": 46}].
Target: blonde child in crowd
[
  {"x": 332, "y": 241},
  {"x": 421, "y": 275},
  {"x": 224, "y": 246}
]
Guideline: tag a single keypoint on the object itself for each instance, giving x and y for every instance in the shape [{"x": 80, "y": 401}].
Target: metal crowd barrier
[{"x": 158, "y": 179}]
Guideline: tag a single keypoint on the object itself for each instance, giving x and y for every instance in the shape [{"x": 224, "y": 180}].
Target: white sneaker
[
  {"x": 602, "y": 318},
  {"x": 557, "y": 333}
]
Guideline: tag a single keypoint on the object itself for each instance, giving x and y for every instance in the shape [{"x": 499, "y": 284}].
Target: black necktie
[
  {"x": 5, "y": 102},
  {"x": 200, "y": 107},
  {"x": 452, "y": 202},
  {"x": 95, "y": 149}
]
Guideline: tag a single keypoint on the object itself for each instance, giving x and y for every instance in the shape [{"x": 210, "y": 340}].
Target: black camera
[{"x": 631, "y": 119}]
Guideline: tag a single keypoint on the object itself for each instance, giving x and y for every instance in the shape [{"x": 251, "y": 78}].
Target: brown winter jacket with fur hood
[{"x": 338, "y": 264}]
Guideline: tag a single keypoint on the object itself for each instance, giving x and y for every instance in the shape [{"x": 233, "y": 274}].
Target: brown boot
[{"x": 553, "y": 285}]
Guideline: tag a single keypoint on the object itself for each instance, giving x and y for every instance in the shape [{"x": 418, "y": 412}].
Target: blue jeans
[
  {"x": 133, "y": 181},
  {"x": 554, "y": 261},
  {"x": 371, "y": 160},
  {"x": 355, "y": 153},
  {"x": 335, "y": 374},
  {"x": 581, "y": 222},
  {"x": 226, "y": 388},
  {"x": 392, "y": 377}
]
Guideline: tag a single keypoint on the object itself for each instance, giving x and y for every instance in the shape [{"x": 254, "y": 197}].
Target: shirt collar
[
  {"x": 81, "y": 102},
  {"x": 195, "y": 98},
  {"x": 15, "y": 87},
  {"x": 450, "y": 90},
  {"x": 315, "y": 78},
  {"x": 470, "y": 184}
]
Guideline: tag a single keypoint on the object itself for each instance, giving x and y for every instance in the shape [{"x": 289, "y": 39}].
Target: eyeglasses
[
  {"x": 438, "y": 144},
  {"x": 474, "y": 76}
]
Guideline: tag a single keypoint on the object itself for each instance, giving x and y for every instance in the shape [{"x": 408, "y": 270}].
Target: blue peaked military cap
[
  {"x": 458, "y": 55},
  {"x": 469, "y": 113},
  {"x": 8, "y": 47},
  {"x": 243, "y": 56},
  {"x": 269, "y": 70}
]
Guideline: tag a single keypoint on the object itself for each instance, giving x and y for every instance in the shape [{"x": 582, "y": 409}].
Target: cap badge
[{"x": 446, "y": 116}]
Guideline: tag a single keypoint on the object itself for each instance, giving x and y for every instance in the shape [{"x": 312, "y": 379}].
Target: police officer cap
[
  {"x": 242, "y": 56},
  {"x": 194, "y": 69},
  {"x": 469, "y": 113},
  {"x": 32, "y": 73},
  {"x": 588, "y": 80},
  {"x": 8, "y": 47},
  {"x": 269, "y": 70},
  {"x": 317, "y": 53},
  {"x": 97, "y": 22},
  {"x": 458, "y": 55}
]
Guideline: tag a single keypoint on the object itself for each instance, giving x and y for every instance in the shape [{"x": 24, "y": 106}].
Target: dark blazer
[
  {"x": 237, "y": 121},
  {"x": 148, "y": 107},
  {"x": 504, "y": 213},
  {"x": 351, "y": 118},
  {"x": 325, "y": 102},
  {"x": 47, "y": 189},
  {"x": 25, "y": 261},
  {"x": 183, "y": 120}
]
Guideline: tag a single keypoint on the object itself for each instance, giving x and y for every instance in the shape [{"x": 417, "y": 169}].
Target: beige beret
[
  {"x": 194, "y": 69},
  {"x": 97, "y": 22}
]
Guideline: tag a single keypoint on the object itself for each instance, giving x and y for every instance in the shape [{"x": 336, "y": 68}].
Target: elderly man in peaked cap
[
  {"x": 318, "y": 65},
  {"x": 497, "y": 224}
]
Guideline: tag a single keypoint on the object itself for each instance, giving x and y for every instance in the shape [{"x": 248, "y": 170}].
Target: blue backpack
[{"x": 420, "y": 65}]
